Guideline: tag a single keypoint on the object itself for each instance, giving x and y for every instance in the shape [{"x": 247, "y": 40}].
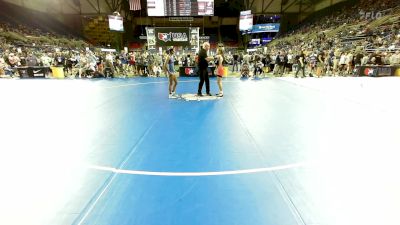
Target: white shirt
[
  {"x": 109, "y": 58},
  {"x": 290, "y": 58},
  {"x": 364, "y": 60},
  {"x": 246, "y": 58},
  {"x": 343, "y": 59},
  {"x": 46, "y": 61}
]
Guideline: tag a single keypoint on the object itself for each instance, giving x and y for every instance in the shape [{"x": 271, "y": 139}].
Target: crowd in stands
[
  {"x": 82, "y": 62},
  {"x": 27, "y": 46},
  {"x": 21, "y": 45},
  {"x": 340, "y": 41},
  {"x": 331, "y": 45},
  {"x": 48, "y": 49}
]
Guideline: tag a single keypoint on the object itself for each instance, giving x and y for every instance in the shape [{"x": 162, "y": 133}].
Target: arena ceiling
[{"x": 91, "y": 7}]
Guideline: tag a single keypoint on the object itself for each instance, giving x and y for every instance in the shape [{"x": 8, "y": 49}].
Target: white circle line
[{"x": 198, "y": 174}]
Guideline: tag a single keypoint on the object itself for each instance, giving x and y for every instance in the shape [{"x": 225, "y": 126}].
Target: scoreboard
[{"x": 180, "y": 7}]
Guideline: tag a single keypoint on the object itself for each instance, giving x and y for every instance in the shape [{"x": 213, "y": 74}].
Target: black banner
[
  {"x": 32, "y": 72},
  {"x": 38, "y": 71},
  {"x": 172, "y": 36}
]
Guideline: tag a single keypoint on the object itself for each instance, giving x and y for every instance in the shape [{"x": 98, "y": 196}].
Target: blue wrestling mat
[{"x": 270, "y": 152}]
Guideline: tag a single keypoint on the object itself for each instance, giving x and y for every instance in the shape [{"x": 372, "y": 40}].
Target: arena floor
[{"x": 274, "y": 151}]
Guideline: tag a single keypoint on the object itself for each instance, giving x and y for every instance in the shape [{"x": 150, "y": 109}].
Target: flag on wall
[{"x": 134, "y": 5}]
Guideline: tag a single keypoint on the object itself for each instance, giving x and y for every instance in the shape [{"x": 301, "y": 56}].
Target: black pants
[
  {"x": 203, "y": 74},
  {"x": 235, "y": 64},
  {"x": 302, "y": 68}
]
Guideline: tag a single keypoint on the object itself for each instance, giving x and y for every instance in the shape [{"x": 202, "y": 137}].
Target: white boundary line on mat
[
  {"x": 199, "y": 174},
  {"x": 181, "y": 174}
]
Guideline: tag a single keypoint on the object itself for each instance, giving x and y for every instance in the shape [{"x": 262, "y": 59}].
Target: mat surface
[{"x": 270, "y": 152}]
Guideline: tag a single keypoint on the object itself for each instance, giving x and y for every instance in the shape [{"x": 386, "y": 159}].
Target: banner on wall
[
  {"x": 266, "y": 40},
  {"x": 172, "y": 36},
  {"x": 255, "y": 41},
  {"x": 194, "y": 39},
  {"x": 151, "y": 39},
  {"x": 267, "y": 27},
  {"x": 203, "y": 39}
]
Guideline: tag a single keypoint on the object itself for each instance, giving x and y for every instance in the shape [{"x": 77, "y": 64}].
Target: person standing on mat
[
  {"x": 203, "y": 66},
  {"x": 220, "y": 70},
  {"x": 170, "y": 70}
]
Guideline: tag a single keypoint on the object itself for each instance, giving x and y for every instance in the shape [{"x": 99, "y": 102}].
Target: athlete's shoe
[
  {"x": 171, "y": 96},
  {"x": 220, "y": 95}
]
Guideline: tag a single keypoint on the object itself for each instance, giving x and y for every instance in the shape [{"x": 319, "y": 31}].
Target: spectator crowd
[{"x": 332, "y": 45}]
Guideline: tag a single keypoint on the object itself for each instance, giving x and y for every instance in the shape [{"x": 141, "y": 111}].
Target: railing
[
  {"x": 372, "y": 50},
  {"x": 353, "y": 38}
]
